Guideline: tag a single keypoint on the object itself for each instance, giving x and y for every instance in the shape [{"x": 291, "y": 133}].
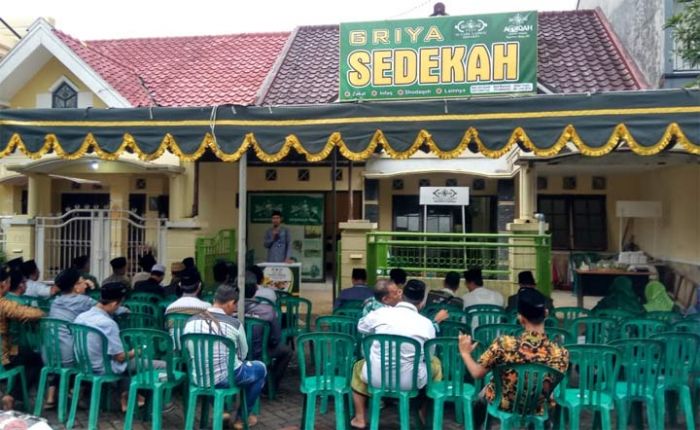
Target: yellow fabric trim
[{"x": 621, "y": 133}]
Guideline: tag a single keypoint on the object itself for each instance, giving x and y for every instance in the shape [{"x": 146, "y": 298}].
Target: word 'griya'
[{"x": 434, "y": 65}]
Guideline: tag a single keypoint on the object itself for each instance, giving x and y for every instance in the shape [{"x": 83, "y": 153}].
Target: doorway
[{"x": 342, "y": 208}]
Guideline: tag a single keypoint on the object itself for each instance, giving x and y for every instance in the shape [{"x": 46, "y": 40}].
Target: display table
[{"x": 597, "y": 282}]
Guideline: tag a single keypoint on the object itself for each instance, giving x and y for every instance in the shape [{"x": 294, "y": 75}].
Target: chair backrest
[
  {"x": 201, "y": 351},
  {"x": 257, "y": 335},
  {"x": 453, "y": 370},
  {"x": 386, "y": 376},
  {"x": 482, "y": 317},
  {"x": 686, "y": 325},
  {"x": 144, "y": 297},
  {"x": 641, "y": 328},
  {"x": 667, "y": 317},
  {"x": 487, "y": 333},
  {"x": 265, "y": 301},
  {"x": 455, "y": 312},
  {"x": 149, "y": 345},
  {"x": 618, "y": 315},
  {"x": 337, "y": 324},
  {"x": 296, "y": 312},
  {"x": 559, "y": 336},
  {"x": 533, "y": 384},
  {"x": 175, "y": 324},
  {"x": 354, "y": 313},
  {"x": 641, "y": 363},
  {"x": 680, "y": 351},
  {"x": 136, "y": 320},
  {"x": 332, "y": 354},
  {"x": 567, "y": 314},
  {"x": 482, "y": 308},
  {"x": 83, "y": 336},
  {"x": 352, "y": 304},
  {"x": 50, "y": 330},
  {"x": 453, "y": 329},
  {"x": 597, "y": 330},
  {"x": 597, "y": 367}
]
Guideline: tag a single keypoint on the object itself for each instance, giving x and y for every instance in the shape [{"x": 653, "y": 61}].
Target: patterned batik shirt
[{"x": 529, "y": 347}]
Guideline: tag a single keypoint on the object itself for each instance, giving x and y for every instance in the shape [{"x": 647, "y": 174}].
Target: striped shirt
[{"x": 227, "y": 326}]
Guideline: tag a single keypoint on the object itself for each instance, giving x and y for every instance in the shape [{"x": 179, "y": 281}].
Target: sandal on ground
[
  {"x": 252, "y": 421},
  {"x": 353, "y": 426}
]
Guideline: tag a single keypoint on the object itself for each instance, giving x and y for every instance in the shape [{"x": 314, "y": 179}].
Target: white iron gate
[{"x": 100, "y": 234}]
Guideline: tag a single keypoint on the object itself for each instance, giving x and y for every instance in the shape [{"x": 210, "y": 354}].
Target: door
[{"x": 342, "y": 208}]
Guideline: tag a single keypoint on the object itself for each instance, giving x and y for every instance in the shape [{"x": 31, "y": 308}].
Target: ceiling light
[{"x": 94, "y": 165}]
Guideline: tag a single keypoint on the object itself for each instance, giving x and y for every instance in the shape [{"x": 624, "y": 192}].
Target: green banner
[
  {"x": 297, "y": 209},
  {"x": 449, "y": 56}
]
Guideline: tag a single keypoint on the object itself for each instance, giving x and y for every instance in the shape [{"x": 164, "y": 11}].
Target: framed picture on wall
[{"x": 153, "y": 203}]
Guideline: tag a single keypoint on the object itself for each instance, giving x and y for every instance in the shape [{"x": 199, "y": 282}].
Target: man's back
[
  {"x": 102, "y": 321},
  {"x": 187, "y": 305},
  {"x": 483, "y": 296},
  {"x": 150, "y": 285},
  {"x": 356, "y": 292}
]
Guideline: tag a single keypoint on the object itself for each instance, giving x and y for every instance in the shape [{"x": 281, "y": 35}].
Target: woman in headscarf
[
  {"x": 621, "y": 296},
  {"x": 657, "y": 298}
]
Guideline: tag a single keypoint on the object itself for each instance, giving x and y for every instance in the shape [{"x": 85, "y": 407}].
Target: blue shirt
[
  {"x": 356, "y": 292},
  {"x": 67, "y": 308},
  {"x": 279, "y": 249},
  {"x": 102, "y": 321}
]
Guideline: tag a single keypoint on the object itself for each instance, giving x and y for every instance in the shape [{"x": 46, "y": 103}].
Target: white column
[
  {"x": 527, "y": 193},
  {"x": 241, "y": 233}
]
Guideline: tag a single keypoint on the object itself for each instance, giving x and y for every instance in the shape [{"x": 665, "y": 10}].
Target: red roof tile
[
  {"x": 576, "y": 53},
  {"x": 183, "y": 71}
]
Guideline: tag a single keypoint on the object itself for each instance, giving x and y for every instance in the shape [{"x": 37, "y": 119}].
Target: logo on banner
[
  {"x": 445, "y": 195},
  {"x": 517, "y": 26},
  {"x": 470, "y": 28}
]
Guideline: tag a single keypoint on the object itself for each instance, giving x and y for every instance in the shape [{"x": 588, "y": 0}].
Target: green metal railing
[
  {"x": 431, "y": 255},
  {"x": 210, "y": 249}
]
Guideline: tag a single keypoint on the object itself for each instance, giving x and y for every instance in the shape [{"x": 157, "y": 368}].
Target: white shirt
[
  {"x": 37, "y": 289},
  {"x": 187, "y": 305},
  {"x": 483, "y": 296},
  {"x": 403, "y": 320},
  {"x": 448, "y": 291},
  {"x": 266, "y": 293}
]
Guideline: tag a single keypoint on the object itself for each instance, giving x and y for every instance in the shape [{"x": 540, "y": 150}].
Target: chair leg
[
  {"x": 63, "y": 385},
  {"x": 622, "y": 414},
  {"x": 131, "y": 407},
  {"x": 660, "y": 409},
  {"x": 217, "y": 422},
  {"x": 605, "y": 419},
  {"x": 687, "y": 405},
  {"x": 651, "y": 414},
  {"x": 25, "y": 391},
  {"x": 574, "y": 418},
  {"x": 438, "y": 411},
  {"x": 323, "y": 409},
  {"x": 191, "y": 410},
  {"x": 466, "y": 414},
  {"x": 310, "y": 412},
  {"x": 41, "y": 392},
  {"x": 341, "y": 418},
  {"x": 74, "y": 402},
  {"x": 404, "y": 413},
  {"x": 374, "y": 412},
  {"x": 95, "y": 397}
]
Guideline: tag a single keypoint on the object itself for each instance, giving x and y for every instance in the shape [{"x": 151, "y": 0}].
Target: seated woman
[
  {"x": 621, "y": 296},
  {"x": 657, "y": 298}
]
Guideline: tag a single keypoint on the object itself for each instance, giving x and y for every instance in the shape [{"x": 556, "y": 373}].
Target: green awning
[{"x": 647, "y": 122}]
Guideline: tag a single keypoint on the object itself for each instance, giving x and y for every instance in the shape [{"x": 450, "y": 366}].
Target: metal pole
[
  {"x": 350, "y": 199},
  {"x": 334, "y": 238},
  {"x": 242, "y": 215}
]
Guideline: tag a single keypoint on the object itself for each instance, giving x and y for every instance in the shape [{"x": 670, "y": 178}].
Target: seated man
[
  {"x": 359, "y": 290},
  {"x": 189, "y": 303},
  {"x": 526, "y": 280},
  {"x": 532, "y": 346},
  {"x": 12, "y": 354},
  {"x": 447, "y": 294},
  {"x": 145, "y": 263},
  {"x": 34, "y": 287},
  {"x": 478, "y": 294},
  {"x": 18, "y": 285},
  {"x": 263, "y": 291},
  {"x": 398, "y": 277},
  {"x": 403, "y": 320},
  {"x": 152, "y": 284},
  {"x": 173, "y": 289},
  {"x": 386, "y": 293},
  {"x": 118, "y": 272},
  {"x": 219, "y": 320},
  {"x": 279, "y": 353}
]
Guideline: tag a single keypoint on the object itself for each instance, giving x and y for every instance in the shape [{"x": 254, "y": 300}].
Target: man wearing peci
[{"x": 278, "y": 241}]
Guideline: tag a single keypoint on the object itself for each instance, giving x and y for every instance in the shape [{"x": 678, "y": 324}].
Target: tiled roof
[
  {"x": 183, "y": 71},
  {"x": 577, "y": 53}
]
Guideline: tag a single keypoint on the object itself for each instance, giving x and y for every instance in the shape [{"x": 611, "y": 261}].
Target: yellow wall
[
  {"x": 676, "y": 236},
  {"x": 42, "y": 81}
]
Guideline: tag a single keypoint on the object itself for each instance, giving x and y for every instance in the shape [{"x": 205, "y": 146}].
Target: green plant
[{"x": 686, "y": 32}]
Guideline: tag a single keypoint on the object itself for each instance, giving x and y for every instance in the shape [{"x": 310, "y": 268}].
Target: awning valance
[{"x": 647, "y": 122}]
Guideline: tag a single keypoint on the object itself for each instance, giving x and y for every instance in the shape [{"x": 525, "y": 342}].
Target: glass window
[
  {"x": 576, "y": 222},
  {"x": 480, "y": 216},
  {"x": 64, "y": 97}
]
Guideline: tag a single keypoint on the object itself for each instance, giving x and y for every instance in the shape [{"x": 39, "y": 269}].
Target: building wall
[
  {"x": 632, "y": 18},
  {"x": 42, "y": 81}
]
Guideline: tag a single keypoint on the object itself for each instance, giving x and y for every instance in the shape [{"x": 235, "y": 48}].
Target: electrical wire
[{"x": 418, "y": 6}]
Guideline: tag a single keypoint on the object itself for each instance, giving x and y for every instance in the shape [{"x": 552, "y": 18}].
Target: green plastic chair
[
  {"x": 597, "y": 330},
  {"x": 640, "y": 361},
  {"x": 389, "y": 378},
  {"x": 337, "y": 324},
  {"x": 482, "y": 317},
  {"x": 81, "y": 334},
  {"x": 667, "y": 317},
  {"x": 641, "y": 328},
  {"x": 175, "y": 324},
  {"x": 134, "y": 320},
  {"x": 487, "y": 333},
  {"x": 597, "y": 368},
  {"x": 94, "y": 293},
  {"x": 567, "y": 314},
  {"x": 352, "y": 304},
  {"x": 686, "y": 325},
  {"x": 265, "y": 301},
  {"x": 144, "y": 297},
  {"x": 617, "y": 314},
  {"x": 296, "y": 316},
  {"x": 482, "y": 308},
  {"x": 452, "y": 387},
  {"x": 559, "y": 336},
  {"x": 453, "y": 329},
  {"x": 139, "y": 307},
  {"x": 50, "y": 330},
  {"x": 149, "y": 345},
  {"x": 353, "y": 313},
  {"x": 259, "y": 330},
  {"x": 531, "y": 381},
  {"x": 456, "y": 313},
  {"x": 333, "y": 354},
  {"x": 199, "y": 352},
  {"x": 11, "y": 375},
  {"x": 679, "y": 356}
]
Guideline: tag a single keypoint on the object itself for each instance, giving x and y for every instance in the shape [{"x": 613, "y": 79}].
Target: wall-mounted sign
[
  {"x": 444, "y": 196},
  {"x": 448, "y": 56}
]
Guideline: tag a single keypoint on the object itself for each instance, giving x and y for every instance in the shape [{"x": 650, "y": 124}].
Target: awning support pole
[
  {"x": 242, "y": 217},
  {"x": 334, "y": 238},
  {"x": 351, "y": 209}
]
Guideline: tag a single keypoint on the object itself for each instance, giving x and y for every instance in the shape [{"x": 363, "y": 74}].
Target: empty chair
[
  {"x": 595, "y": 330},
  {"x": 641, "y": 328}
]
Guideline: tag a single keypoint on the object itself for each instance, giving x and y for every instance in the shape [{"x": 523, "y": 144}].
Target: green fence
[
  {"x": 210, "y": 249},
  {"x": 431, "y": 255}
]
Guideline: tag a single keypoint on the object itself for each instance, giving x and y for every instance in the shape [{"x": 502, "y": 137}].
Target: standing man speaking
[{"x": 278, "y": 241}]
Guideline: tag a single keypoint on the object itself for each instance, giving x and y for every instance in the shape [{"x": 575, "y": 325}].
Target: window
[
  {"x": 64, "y": 97},
  {"x": 480, "y": 214},
  {"x": 576, "y": 222}
]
